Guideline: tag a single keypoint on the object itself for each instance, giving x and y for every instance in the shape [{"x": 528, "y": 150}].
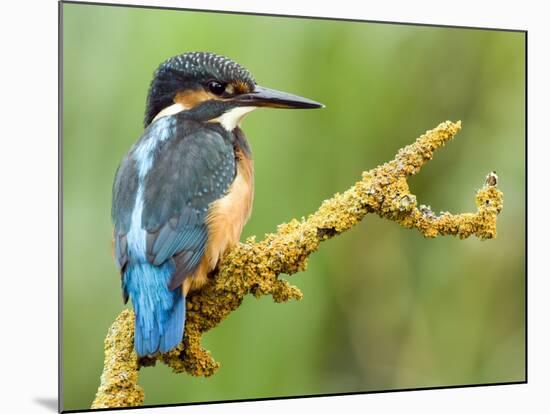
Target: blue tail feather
[
  {"x": 159, "y": 312},
  {"x": 173, "y": 329}
]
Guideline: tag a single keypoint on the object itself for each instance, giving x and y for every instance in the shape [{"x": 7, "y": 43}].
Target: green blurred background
[{"x": 383, "y": 307}]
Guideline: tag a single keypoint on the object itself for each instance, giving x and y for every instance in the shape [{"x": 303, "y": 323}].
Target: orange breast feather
[{"x": 226, "y": 219}]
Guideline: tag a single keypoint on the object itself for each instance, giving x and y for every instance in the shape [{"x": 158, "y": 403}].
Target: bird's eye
[{"x": 217, "y": 88}]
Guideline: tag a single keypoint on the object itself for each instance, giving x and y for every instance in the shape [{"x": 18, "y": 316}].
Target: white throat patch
[
  {"x": 170, "y": 110},
  {"x": 232, "y": 118}
]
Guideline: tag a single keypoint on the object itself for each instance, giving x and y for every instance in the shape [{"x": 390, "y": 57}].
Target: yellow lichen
[
  {"x": 254, "y": 267},
  {"x": 118, "y": 387}
]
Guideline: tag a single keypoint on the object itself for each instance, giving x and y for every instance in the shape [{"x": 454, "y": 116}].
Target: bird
[{"x": 183, "y": 192}]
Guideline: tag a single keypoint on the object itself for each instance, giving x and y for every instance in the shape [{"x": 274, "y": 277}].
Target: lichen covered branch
[
  {"x": 118, "y": 386},
  {"x": 254, "y": 267}
]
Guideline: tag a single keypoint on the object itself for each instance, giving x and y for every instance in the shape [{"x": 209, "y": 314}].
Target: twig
[{"x": 253, "y": 267}]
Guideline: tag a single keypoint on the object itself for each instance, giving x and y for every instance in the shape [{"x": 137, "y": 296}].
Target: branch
[{"x": 253, "y": 267}]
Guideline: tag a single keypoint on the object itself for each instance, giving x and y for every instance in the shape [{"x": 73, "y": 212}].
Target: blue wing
[{"x": 194, "y": 166}]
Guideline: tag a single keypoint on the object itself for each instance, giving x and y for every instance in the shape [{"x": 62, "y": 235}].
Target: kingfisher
[{"x": 184, "y": 190}]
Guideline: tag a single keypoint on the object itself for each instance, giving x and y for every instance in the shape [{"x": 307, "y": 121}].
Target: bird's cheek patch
[{"x": 191, "y": 98}]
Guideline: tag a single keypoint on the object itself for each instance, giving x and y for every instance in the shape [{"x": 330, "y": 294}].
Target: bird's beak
[{"x": 265, "y": 97}]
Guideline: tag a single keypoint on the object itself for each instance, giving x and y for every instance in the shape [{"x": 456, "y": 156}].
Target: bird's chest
[
  {"x": 228, "y": 215},
  {"x": 238, "y": 201}
]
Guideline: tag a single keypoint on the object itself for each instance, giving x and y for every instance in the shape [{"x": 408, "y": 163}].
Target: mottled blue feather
[{"x": 191, "y": 172}]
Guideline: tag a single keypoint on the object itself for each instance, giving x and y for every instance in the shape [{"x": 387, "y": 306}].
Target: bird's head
[{"x": 215, "y": 88}]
